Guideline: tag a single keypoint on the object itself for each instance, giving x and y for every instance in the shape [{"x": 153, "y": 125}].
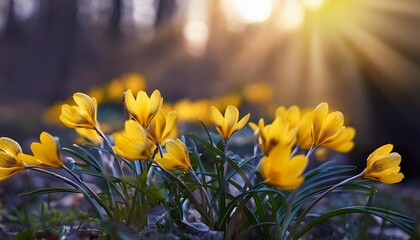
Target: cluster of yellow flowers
[
  {"x": 13, "y": 160},
  {"x": 187, "y": 110},
  {"x": 311, "y": 130},
  {"x": 149, "y": 127}
]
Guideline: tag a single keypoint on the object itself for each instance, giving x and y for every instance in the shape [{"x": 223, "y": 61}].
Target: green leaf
[
  {"x": 49, "y": 190},
  {"x": 85, "y": 156},
  {"x": 405, "y": 223}
]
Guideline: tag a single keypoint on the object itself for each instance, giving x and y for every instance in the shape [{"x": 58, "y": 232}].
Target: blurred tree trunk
[
  {"x": 115, "y": 20},
  {"x": 165, "y": 10},
  {"x": 46, "y": 54},
  {"x": 12, "y": 28}
]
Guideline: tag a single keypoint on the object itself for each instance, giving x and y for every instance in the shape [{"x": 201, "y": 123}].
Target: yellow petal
[
  {"x": 242, "y": 122},
  {"x": 176, "y": 156},
  {"x": 90, "y": 134},
  {"x": 296, "y": 165},
  {"x": 86, "y": 103},
  {"x": 392, "y": 178},
  {"x": 8, "y": 161},
  {"x": 134, "y": 130},
  {"x": 8, "y": 172},
  {"x": 332, "y": 128},
  {"x": 29, "y": 159},
  {"x": 130, "y": 103},
  {"x": 345, "y": 142},
  {"x": 216, "y": 117},
  {"x": 253, "y": 126},
  {"x": 175, "y": 148},
  {"x": 231, "y": 117},
  {"x": 156, "y": 102},
  {"x": 388, "y": 161},
  {"x": 381, "y": 151},
  {"x": 319, "y": 115},
  {"x": 171, "y": 130},
  {"x": 9, "y": 146},
  {"x": 47, "y": 151}
]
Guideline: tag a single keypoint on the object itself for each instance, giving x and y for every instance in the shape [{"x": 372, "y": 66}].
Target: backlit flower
[
  {"x": 175, "y": 157},
  {"x": 304, "y": 135},
  {"x": 142, "y": 108},
  {"x": 290, "y": 115},
  {"x": 343, "y": 143},
  {"x": 81, "y": 116},
  {"x": 10, "y": 164},
  {"x": 280, "y": 170},
  {"x": 162, "y": 128},
  {"x": 90, "y": 134},
  {"x": 277, "y": 132},
  {"x": 45, "y": 153},
  {"x": 133, "y": 143},
  {"x": 326, "y": 127},
  {"x": 229, "y": 124},
  {"x": 384, "y": 165}
]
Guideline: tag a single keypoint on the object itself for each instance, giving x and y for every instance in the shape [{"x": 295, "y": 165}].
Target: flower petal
[
  {"x": 8, "y": 172},
  {"x": 231, "y": 117},
  {"x": 381, "y": 151},
  {"x": 242, "y": 122},
  {"x": 216, "y": 117},
  {"x": 9, "y": 146},
  {"x": 130, "y": 103}
]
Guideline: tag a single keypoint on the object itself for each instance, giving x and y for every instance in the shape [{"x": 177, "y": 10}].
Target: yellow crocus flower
[
  {"x": 229, "y": 124},
  {"x": 81, "y": 116},
  {"x": 304, "y": 136},
  {"x": 277, "y": 132},
  {"x": 291, "y": 115},
  {"x": 162, "y": 127},
  {"x": 326, "y": 127},
  {"x": 133, "y": 143},
  {"x": 175, "y": 157},
  {"x": 142, "y": 108},
  {"x": 384, "y": 165},
  {"x": 344, "y": 143},
  {"x": 45, "y": 153},
  {"x": 10, "y": 164},
  {"x": 280, "y": 170},
  {"x": 90, "y": 134}
]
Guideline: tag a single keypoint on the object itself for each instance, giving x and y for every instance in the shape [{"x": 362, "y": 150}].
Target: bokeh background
[{"x": 361, "y": 56}]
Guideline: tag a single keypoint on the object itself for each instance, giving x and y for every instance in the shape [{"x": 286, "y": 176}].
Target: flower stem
[
  {"x": 94, "y": 204},
  {"x": 95, "y": 196},
  {"x": 115, "y": 166},
  {"x": 204, "y": 194},
  {"x": 192, "y": 198},
  {"x": 310, "y": 151},
  {"x": 222, "y": 185},
  {"x": 289, "y": 207},
  {"x": 313, "y": 203}
]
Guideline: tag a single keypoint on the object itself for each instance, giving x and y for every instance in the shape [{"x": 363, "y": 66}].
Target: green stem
[
  {"x": 106, "y": 140},
  {"x": 95, "y": 196},
  {"x": 289, "y": 207},
  {"x": 313, "y": 203},
  {"x": 160, "y": 148},
  {"x": 222, "y": 167},
  {"x": 192, "y": 198},
  {"x": 310, "y": 151},
  {"x": 115, "y": 166},
  {"x": 203, "y": 192},
  {"x": 143, "y": 190},
  {"x": 94, "y": 204}
]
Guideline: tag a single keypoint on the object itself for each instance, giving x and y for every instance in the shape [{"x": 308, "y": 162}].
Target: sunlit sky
[{"x": 315, "y": 42}]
